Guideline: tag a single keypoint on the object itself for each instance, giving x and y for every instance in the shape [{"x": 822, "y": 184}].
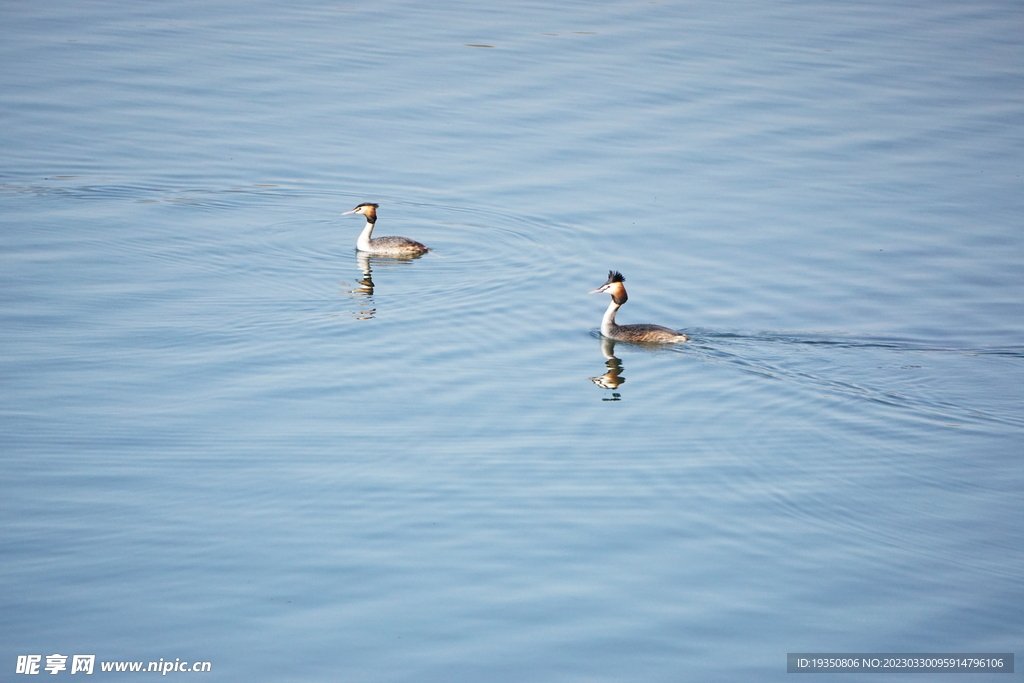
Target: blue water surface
[{"x": 228, "y": 437}]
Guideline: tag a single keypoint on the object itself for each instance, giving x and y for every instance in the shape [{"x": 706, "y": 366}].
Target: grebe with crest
[
  {"x": 642, "y": 334},
  {"x": 393, "y": 246}
]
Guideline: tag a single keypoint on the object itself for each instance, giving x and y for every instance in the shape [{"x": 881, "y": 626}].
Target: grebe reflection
[
  {"x": 612, "y": 379},
  {"x": 363, "y": 291}
]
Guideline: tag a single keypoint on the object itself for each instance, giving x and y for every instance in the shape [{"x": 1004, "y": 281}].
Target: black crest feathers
[{"x": 615, "y": 276}]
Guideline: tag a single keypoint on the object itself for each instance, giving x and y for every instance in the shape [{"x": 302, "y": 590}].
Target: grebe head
[
  {"x": 615, "y": 287},
  {"x": 367, "y": 209}
]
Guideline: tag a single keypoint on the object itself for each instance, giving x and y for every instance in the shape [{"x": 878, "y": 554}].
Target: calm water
[{"x": 227, "y": 438}]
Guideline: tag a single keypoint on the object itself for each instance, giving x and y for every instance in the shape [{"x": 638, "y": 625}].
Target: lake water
[{"x": 227, "y": 437}]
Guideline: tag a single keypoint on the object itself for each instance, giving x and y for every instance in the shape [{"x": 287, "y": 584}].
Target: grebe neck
[
  {"x": 363, "y": 243},
  {"x": 608, "y": 321}
]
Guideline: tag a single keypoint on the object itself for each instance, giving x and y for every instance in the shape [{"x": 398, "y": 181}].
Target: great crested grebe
[
  {"x": 643, "y": 334},
  {"x": 394, "y": 246}
]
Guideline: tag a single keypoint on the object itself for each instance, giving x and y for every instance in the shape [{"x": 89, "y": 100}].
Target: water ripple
[{"x": 759, "y": 355}]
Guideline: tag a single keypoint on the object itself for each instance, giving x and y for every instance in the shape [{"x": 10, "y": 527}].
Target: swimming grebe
[
  {"x": 643, "y": 334},
  {"x": 394, "y": 246}
]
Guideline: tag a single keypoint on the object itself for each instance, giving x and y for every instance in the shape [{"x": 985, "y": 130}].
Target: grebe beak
[
  {"x": 348, "y": 212},
  {"x": 599, "y": 291}
]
